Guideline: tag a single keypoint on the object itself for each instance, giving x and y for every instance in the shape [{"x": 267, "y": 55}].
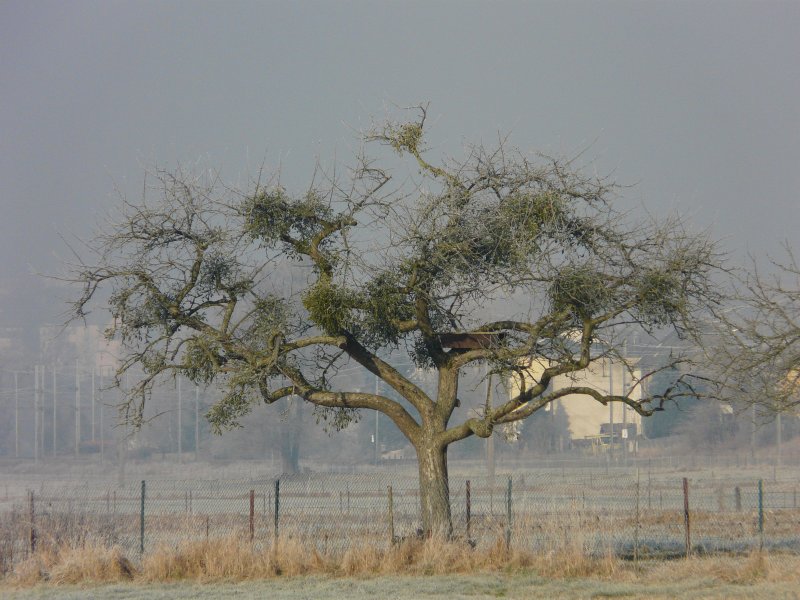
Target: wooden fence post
[
  {"x": 391, "y": 515},
  {"x": 141, "y": 521},
  {"x": 761, "y": 514},
  {"x": 508, "y": 516},
  {"x": 33, "y": 524},
  {"x": 277, "y": 505},
  {"x": 686, "y": 517},
  {"x": 252, "y": 514},
  {"x": 469, "y": 507}
]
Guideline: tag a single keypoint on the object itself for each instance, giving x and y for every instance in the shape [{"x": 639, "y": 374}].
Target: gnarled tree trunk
[{"x": 434, "y": 490}]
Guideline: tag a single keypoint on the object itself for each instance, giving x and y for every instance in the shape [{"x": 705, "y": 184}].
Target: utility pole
[
  {"x": 36, "y": 413},
  {"x": 102, "y": 444},
  {"x": 16, "y": 416},
  {"x": 94, "y": 387},
  {"x": 611, "y": 410},
  {"x": 779, "y": 437},
  {"x": 624, "y": 367},
  {"x": 41, "y": 409},
  {"x": 77, "y": 408},
  {"x": 196, "y": 422},
  {"x": 180, "y": 437},
  {"x": 377, "y": 442},
  {"x": 753, "y": 433},
  {"x": 55, "y": 412},
  {"x": 122, "y": 444},
  {"x": 490, "y": 464}
]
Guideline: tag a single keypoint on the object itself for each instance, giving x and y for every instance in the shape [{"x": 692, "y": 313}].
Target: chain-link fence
[{"x": 623, "y": 514}]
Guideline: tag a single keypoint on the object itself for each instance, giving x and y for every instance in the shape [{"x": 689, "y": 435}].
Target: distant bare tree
[
  {"x": 488, "y": 260},
  {"x": 757, "y": 356}
]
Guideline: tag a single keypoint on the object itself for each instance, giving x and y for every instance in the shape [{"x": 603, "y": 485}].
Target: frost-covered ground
[
  {"x": 406, "y": 588},
  {"x": 401, "y": 588}
]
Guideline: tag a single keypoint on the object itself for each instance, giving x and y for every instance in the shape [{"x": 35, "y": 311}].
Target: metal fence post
[
  {"x": 761, "y": 514},
  {"x": 508, "y": 516},
  {"x": 277, "y": 505},
  {"x": 688, "y": 540},
  {"x": 141, "y": 521}
]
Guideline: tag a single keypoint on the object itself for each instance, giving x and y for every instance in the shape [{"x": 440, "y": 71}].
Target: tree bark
[{"x": 434, "y": 490}]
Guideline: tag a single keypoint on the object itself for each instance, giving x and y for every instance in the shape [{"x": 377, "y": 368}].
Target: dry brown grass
[
  {"x": 755, "y": 567},
  {"x": 74, "y": 565},
  {"x": 569, "y": 565},
  {"x": 229, "y": 559}
]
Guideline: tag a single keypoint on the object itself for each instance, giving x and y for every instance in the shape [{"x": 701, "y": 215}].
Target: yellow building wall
[{"x": 585, "y": 415}]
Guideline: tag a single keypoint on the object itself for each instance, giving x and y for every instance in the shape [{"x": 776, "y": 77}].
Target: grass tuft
[{"x": 90, "y": 563}]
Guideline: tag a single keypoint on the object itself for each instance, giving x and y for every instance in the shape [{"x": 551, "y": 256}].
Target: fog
[{"x": 694, "y": 107}]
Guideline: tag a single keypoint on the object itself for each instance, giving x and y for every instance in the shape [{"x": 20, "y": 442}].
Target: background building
[{"x": 587, "y": 422}]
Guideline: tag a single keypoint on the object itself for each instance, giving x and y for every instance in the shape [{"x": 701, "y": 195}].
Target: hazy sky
[{"x": 697, "y": 103}]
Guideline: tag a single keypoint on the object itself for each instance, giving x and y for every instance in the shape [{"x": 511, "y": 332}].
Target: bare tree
[
  {"x": 492, "y": 259},
  {"x": 756, "y": 357}
]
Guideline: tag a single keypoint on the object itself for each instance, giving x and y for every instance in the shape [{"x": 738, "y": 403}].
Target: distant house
[
  {"x": 398, "y": 454},
  {"x": 588, "y": 421}
]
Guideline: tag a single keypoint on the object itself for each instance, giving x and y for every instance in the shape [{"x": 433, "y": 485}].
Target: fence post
[
  {"x": 508, "y": 516},
  {"x": 277, "y": 505},
  {"x": 141, "y": 521},
  {"x": 737, "y": 492},
  {"x": 469, "y": 507},
  {"x": 33, "y": 525},
  {"x": 636, "y": 531},
  {"x": 391, "y": 515},
  {"x": 688, "y": 540},
  {"x": 761, "y": 514},
  {"x": 252, "y": 514}
]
